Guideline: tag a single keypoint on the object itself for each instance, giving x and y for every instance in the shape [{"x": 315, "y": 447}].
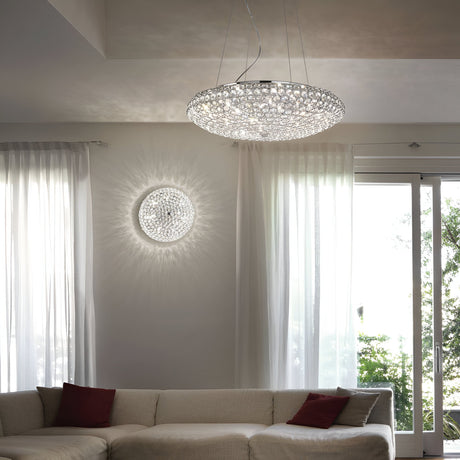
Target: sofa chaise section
[
  {"x": 22, "y": 447},
  {"x": 373, "y": 441},
  {"x": 27, "y": 434}
]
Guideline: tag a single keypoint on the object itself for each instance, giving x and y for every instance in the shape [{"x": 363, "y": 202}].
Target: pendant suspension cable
[
  {"x": 301, "y": 42},
  {"x": 287, "y": 40},
  {"x": 258, "y": 42},
  {"x": 247, "y": 54},
  {"x": 225, "y": 41}
]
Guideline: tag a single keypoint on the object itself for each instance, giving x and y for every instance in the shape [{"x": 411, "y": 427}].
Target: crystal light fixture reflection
[
  {"x": 166, "y": 214},
  {"x": 265, "y": 110}
]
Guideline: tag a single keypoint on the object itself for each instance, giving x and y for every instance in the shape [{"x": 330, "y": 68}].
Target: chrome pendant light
[{"x": 265, "y": 110}]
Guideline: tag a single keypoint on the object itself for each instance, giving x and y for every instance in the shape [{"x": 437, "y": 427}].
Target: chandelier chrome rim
[
  {"x": 265, "y": 110},
  {"x": 166, "y": 214}
]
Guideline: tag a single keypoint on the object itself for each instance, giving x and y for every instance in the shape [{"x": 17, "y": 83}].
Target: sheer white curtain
[
  {"x": 46, "y": 291},
  {"x": 295, "y": 325}
]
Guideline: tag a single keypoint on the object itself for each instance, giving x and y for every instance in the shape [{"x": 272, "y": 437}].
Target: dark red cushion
[
  {"x": 319, "y": 410},
  {"x": 84, "y": 407}
]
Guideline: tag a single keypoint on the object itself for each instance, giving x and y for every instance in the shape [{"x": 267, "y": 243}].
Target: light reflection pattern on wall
[{"x": 128, "y": 179}]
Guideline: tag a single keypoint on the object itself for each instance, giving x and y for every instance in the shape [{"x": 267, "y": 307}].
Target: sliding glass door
[{"x": 396, "y": 293}]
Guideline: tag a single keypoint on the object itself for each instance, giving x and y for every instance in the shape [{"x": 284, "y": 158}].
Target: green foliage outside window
[{"x": 378, "y": 367}]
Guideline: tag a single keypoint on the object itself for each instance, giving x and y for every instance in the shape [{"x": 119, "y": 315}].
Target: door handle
[{"x": 438, "y": 357}]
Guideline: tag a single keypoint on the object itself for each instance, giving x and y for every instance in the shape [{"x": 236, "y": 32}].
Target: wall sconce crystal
[{"x": 166, "y": 214}]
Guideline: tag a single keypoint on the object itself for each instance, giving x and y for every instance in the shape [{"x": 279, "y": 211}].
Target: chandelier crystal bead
[
  {"x": 264, "y": 110},
  {"x": 166, "y": 214}
]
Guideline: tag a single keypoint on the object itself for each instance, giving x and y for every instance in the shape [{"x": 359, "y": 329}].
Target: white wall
[{"x": 165, "y": 314}]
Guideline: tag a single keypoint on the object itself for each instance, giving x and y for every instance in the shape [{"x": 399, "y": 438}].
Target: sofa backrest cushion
[
  {"x": 134, "y": 407},
  {"x": 215, "y": 406},
  {"x": 129, "y": 406},
  {"x": 287, "y": 403},
  {"x": 20, "y": 411},
  {"x": 51, "y": 399}
]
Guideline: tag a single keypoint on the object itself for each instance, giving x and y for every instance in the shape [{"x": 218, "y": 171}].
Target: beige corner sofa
[{"x": 191, "y": 424}]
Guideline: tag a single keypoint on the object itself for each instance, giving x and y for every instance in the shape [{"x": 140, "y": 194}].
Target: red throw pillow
[
  {"x": 319, "y": 410},
  {"x": 84, "y": 407}
]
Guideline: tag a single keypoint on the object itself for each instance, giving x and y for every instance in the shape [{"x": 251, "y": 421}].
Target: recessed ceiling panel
[{"x": 358, "y": 29}]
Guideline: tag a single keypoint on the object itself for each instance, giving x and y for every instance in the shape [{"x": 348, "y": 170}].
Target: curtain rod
[
  {"x": 96, "y": 142},
  {"x": 93, "y": 142},
  {"x": 413, "y": 144}
]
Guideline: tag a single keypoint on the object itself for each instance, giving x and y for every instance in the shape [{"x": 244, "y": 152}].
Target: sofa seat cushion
[
  {"x": 339, "y": 442},
  {"x": 109, "y": 433},
  {"x": 191, "y": 441},
  {"x": 53, "y": 447}
]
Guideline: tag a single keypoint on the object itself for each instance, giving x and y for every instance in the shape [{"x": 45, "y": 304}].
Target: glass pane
[
  {"x": 426, "y": 226},
  {"x": 450, "y": 234},
  {"x": 382, "y": 291}
]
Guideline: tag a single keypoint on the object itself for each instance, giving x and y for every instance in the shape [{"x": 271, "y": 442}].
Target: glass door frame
[
  {"x": 433, "y": 441},
  {"x": 410, "y": 444}
]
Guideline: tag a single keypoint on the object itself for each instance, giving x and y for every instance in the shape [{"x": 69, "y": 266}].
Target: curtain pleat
[
  {"x": 295, "y": 327},
  {"x": 46, "y": 294}
]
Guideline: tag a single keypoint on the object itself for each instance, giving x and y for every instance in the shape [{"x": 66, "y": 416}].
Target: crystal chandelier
[
  {"x": 265, "y": 110},
  {"x": 166, "y": 214}
]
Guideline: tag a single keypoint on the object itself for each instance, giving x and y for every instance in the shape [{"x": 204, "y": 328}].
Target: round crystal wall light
[
  {"x": 265, "y": 110},
  {"x": 166, "y": 214}
]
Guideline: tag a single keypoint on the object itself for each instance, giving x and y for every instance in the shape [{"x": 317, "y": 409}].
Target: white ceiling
[{"x": 390, "y": 61}]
